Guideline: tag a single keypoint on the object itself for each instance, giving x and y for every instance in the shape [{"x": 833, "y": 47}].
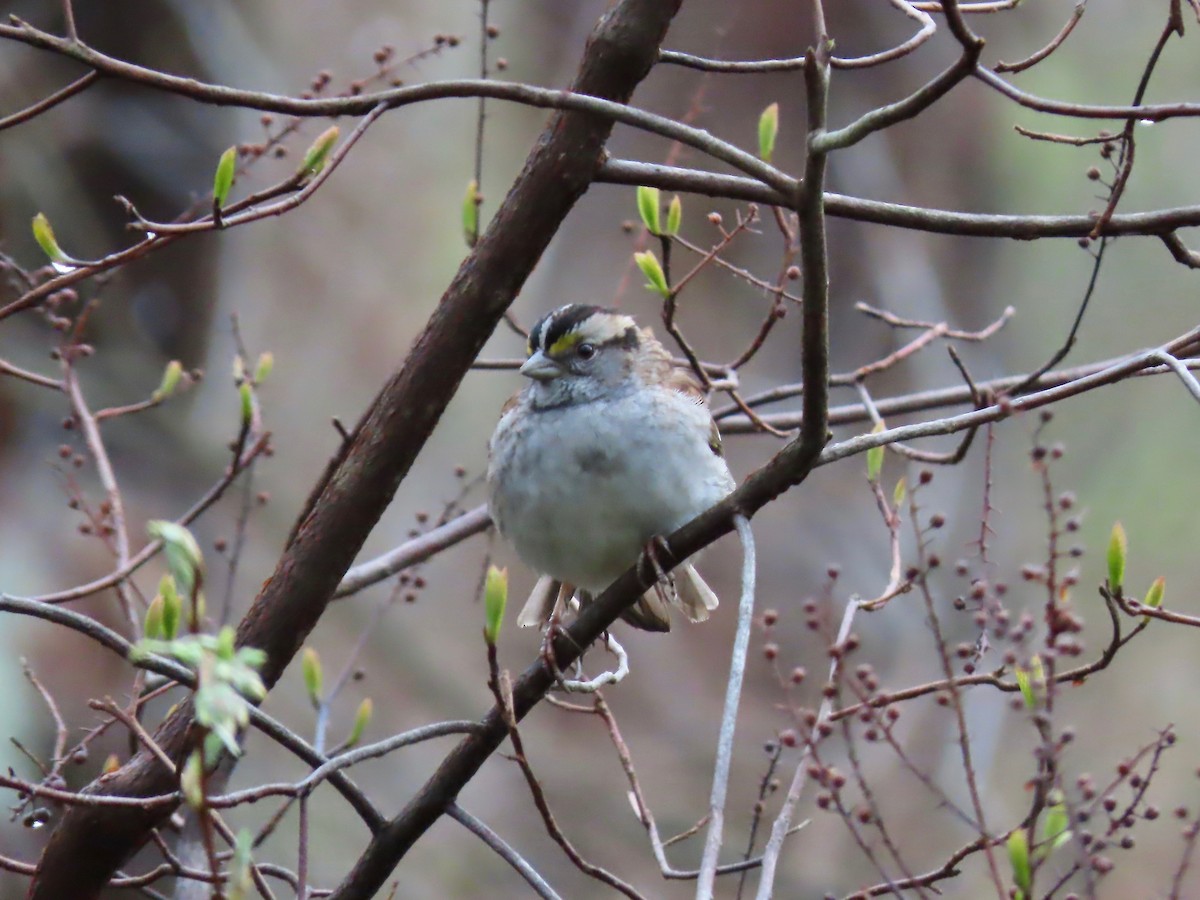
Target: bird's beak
[{"x": 541, "y": 367}]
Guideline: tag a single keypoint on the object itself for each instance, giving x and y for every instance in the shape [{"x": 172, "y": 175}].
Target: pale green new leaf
[
  {"x": 223, "y": 179},
  {"x": 648, "y": 209},
  {"x": 768, "y": 130}
]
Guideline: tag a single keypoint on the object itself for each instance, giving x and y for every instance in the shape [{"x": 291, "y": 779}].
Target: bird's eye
[{"x": 585, "y": 351}]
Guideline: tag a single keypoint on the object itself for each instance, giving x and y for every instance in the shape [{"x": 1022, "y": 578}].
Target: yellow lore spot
[{"x": 564, "y": 344}]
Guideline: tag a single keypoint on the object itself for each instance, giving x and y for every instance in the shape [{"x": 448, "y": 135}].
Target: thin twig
[
  {"x": 60, "y": 727},
  {"x": 956, "y": 703},
  {"x": 135, "y": 727},
  {"x": 1153, "y": 112},
  {"x": 1055, "y": 42},
  {"x": 1174, "y": 25},
  {"x": 113, "y": 641},
  {"x": 917, "y": 218},
  {"x": 1188, "y": 379},
  {"x": 7, "y": 368},
  {"x": 414, "y": 551},
  {"x": 481, "y": 113},
  {"x": 69, "y": 21},
  {"x": 323, "y": 772},
  {"x": 502, "y": 691},
  {"x": 733, "y": 693},
  {"x": 1103, "y": 137},
  {"x": 781, "y": 826},
  {"x": 1064, "y": 382},
  {"x": 148, "y": 552},
  {"x": 47, "y": 103},
  {"x": 507, "y": 853},
  {"x": 108, "y": 480},
  {"x": 1179, "y": 250},
  {"x": 295, "y": 190}
]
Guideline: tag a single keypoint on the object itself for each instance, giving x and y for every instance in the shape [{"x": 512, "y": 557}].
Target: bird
[{"x": 608, "y": 448}]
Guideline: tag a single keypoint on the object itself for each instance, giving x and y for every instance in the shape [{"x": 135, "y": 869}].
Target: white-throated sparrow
[{"x": 609, "y": 446}]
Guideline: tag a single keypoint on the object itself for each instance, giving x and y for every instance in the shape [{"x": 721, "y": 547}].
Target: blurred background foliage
[{"x": 339, "y": 288}]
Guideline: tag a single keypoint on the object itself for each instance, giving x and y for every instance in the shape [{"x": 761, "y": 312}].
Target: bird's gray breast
[{"x": 600, "y": 462}]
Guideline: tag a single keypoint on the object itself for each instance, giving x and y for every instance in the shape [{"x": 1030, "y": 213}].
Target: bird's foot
[
  {"x": 591, "y": 685},
  {"x": 649, "y": 563},
  {"x": 554, "y": 630}
]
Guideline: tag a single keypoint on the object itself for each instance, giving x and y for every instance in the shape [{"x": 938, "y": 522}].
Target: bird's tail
[{"x": 652, "y": 611}]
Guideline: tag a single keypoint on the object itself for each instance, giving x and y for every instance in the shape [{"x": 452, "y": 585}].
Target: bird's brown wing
[
  {"x": 684, "y": 380},
  {"x": 657, "y": 366}
]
